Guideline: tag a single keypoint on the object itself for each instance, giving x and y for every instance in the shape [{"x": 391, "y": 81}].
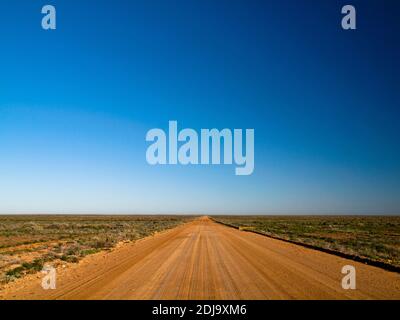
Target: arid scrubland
[
  {"x": 374, "y": 237},
  {"x": 28, "y": 242}
]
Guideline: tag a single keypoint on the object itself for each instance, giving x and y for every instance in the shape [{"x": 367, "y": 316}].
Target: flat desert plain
[{"x": 202, "y": 259}]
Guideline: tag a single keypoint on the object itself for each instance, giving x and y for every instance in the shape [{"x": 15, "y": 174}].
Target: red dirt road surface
[{"x": 206, "y": 260}]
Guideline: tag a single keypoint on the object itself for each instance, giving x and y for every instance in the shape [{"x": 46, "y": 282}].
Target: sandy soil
[{"x": 206, "y": 260}]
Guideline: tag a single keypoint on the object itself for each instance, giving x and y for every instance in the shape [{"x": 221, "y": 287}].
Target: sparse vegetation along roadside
[
  {"x": 375, "y": 238},
  {"x": 28, "y": 242}
]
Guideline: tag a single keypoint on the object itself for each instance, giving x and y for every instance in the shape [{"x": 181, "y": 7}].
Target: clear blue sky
[{"x": 76, "y": 103}]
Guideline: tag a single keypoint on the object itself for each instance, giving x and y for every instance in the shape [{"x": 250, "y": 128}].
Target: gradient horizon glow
[{"x": 76, "y": 104}]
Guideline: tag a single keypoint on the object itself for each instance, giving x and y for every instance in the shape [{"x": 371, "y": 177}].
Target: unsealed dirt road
[{"x": 206, "y": 260}]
